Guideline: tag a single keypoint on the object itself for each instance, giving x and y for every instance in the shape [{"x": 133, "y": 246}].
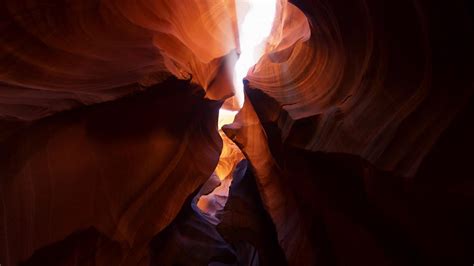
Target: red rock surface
[
  {"x": 357, "y": 129},
  {"x": 123, "y": 168}
]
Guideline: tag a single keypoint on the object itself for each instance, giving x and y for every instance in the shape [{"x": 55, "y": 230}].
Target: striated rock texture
[
  {"x": 343, "y": 148},
  {"x": 376, "y": 79},
  {"x": 64, "y": 54},
  {"x": 357, "y": 130},
  {"x": 339, "y": 209},
  {"x": 124, "y": 168}
]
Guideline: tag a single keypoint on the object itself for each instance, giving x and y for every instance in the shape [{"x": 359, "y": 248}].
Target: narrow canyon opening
[
  {"x": 127, "y": 137},
  {"x": 255, "y": 21}
]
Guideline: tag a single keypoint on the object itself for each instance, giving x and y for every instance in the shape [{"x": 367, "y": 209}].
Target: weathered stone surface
[
  {"x": 124, "y": 168},
  {"x": 357, "y": 130}
]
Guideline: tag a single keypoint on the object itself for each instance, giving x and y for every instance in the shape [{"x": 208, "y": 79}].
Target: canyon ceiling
[{"x": 351, "y": 143}]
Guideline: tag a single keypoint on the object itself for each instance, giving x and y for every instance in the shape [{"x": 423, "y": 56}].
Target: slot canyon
[{"x": 236, "y": 132}]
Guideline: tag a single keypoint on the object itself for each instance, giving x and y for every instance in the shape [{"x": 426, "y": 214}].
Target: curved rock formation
[
  {"x": 370, "y": 75},
  {"x": 123, "y": 168},
  {"x": 356, "y": 129},
  {"x": 338, "y": 209}
]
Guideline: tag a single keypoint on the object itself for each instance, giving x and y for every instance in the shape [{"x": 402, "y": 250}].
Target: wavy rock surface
[
  {"x": 376, "y": 79},
  {"x": 63, "y": 54},
  {"x": 376, "y": 87},
  {"x": 339, "y": 209},
  {"x": 123, "y": 168},
  {"x": 354, "y": 126}
]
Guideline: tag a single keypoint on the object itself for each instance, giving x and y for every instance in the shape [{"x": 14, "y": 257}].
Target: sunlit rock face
[
  {"x": 66, "y": 54},
  {"x": 370, "y": 85},
  {"x": 354, "y": 123}
]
